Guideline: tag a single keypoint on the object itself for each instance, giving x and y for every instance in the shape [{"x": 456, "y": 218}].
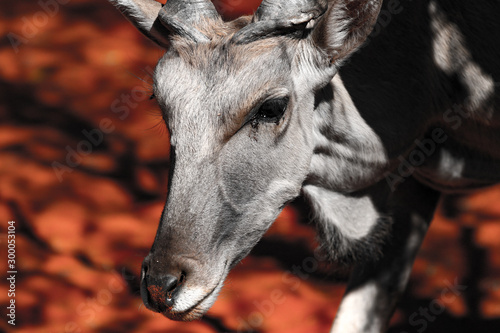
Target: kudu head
[{"x": 238, "y": 99}]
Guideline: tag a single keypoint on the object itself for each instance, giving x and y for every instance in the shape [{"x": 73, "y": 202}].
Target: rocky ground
[{"x": 83, "y": 172}]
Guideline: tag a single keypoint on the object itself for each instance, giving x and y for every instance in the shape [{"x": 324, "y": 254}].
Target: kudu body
[{"x": 258, "y": 115}]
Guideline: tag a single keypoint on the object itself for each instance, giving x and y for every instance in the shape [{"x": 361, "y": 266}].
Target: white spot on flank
[
  {"x": 450, "y": 167},
  {"x": 452, "y": 56}
]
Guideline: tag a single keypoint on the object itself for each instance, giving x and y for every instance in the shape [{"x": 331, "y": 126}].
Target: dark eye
[{"x": 272, "y": 110}]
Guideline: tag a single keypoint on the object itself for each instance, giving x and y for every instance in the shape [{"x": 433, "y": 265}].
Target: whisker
[
  {"x": 159, "y": 127},
  {"x": 149, "y": 84}
]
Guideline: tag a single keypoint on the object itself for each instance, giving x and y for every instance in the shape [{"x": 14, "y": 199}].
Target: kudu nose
[{"x": 159, "y": 292}]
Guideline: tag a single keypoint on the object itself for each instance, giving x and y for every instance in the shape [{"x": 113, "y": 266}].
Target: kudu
[{"x": 257, "y": 116}]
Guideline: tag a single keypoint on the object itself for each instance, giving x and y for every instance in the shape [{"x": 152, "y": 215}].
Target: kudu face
[
  {"x": 238, "y": 99},
  {"x": 241, "y": 150}
]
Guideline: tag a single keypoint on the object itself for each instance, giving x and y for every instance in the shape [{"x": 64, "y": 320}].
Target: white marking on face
[
  {"x": 188, "y": 298},
  {"x": 197, "y": 299}
]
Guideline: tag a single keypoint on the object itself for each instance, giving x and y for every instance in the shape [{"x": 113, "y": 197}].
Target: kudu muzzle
[
  {"x": 158, "y": 291},
  {"x": 160, "y": 284}
]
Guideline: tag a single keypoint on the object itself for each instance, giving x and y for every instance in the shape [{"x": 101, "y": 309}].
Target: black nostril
[
  {"x": 159, "y": 292},
  {"x": 170, "y": 283}
]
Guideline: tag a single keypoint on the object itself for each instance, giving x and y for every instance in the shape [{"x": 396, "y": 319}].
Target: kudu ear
[
  {"x": 345, "y": 26},
  {"x": 337, "y": 27},
  {"x": 160, "y": 22},
  {"x": 143, "y": 15},
  {"x": 281, "y": 17}
]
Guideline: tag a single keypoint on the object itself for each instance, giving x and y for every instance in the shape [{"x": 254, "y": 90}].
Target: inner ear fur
[
  {"x": 345, "y": 26},
  {"x": 143, "y": 15}
]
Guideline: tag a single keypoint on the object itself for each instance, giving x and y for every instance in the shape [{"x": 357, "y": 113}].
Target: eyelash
[{"x": 271, "y": 110}]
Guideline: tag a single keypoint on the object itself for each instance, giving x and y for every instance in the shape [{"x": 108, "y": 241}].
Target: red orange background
[{"x": 81, "y": 238}]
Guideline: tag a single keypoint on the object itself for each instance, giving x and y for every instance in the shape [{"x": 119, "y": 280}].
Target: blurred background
[{"x": 83, "y": 173}]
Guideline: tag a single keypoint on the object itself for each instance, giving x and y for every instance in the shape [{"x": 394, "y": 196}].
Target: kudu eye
[{"x": 272, "y": 110}]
